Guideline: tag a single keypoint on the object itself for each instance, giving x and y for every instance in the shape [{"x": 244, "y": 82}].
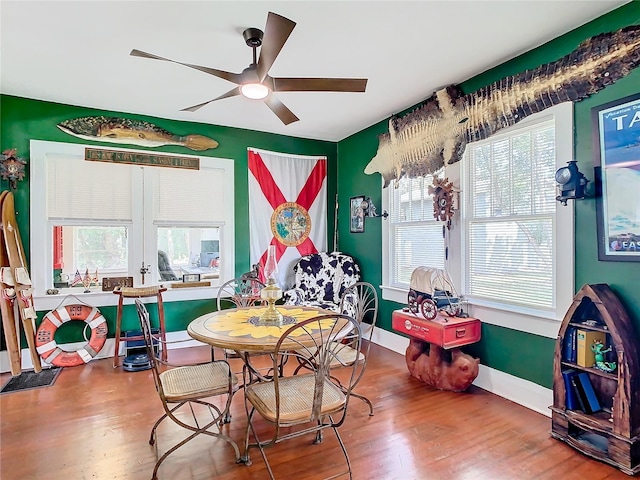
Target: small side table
[{"x": 433, "y": 355}]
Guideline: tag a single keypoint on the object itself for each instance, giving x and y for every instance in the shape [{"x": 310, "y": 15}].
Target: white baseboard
[
  {"x": 523, "y": 392},
  {"x": 105, "y": 352},
  {"x": 518, "y": 390}
]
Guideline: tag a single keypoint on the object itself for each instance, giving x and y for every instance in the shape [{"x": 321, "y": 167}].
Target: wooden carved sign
[{"x": 436, "y": 133}]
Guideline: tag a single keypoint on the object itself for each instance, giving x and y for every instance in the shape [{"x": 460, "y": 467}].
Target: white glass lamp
[{"x": 272, "y": 292}]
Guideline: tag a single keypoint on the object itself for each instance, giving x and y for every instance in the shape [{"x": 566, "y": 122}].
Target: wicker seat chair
[
  {"x": 297, "y": 405},
  {"x": 189, "y": 386},
  {"x": 359, "y": 301},
  {"x": 243, "y": 291},
  {"x": 239, "y": 292}
]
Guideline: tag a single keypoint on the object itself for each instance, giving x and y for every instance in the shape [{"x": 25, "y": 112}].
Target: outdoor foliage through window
[{"x": 511, "y": 217}]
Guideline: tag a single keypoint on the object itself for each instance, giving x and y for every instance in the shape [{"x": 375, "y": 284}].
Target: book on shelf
[
  {"x": 571, "y": 402},
  {"x": 585, "y": 338},
  {"x": 584, "y": 392},
  {"x": 569, "y": 345}
]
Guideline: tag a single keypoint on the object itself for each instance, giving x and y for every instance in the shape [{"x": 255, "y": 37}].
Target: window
[
  {"x": 108, "y": 219},
  {"x": 517, "y": 238},
  {"x": 413, "y": 237}
]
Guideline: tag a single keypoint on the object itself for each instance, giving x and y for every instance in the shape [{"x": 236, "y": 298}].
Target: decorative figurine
[{"x": 598, "y": 349}]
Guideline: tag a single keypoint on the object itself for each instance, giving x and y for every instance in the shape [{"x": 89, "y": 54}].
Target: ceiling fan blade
[
  {"x": 280, "y": 109},
  {"x": 276, "y": 33},
  {"x": 319, "y": 84},
  {"x": 230, "y": 93},
  {"x": 230, "y": 76}
]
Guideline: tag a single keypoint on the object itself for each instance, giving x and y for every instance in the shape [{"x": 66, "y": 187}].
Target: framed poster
[
  {"x": 616, "y": 135},
  {"x": 356, "y": 214}
]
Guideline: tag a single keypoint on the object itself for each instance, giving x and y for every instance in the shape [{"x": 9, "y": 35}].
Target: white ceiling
[{"x": 77, "y": 53}]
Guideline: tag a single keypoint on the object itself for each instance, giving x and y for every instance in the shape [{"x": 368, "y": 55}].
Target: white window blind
[
  {"x": 201, "y": 200},
  {"x": 416, "y": 238},
  {"x": 81, "y": 190},
  {"x": 510, "y": 221}
]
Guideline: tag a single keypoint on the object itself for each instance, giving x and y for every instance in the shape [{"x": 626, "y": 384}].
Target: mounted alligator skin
[{"x": 436, "y": 133}]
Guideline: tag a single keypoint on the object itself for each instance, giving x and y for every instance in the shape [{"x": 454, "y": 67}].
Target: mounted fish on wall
[
  {"x": 131, "y": 132},
  {"x": 436, "y": 133}
]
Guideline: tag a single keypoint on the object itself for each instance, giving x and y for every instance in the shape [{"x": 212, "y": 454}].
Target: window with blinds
[
  {"x": 415, "y": 237},
  {"x": 510, "y": 217},
  {"x": 110, "y": 219}
]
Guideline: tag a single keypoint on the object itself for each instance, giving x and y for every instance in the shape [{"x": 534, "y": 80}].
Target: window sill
[
  {"x": 98, "y": 298},
  {"x": 394, "y": 294},
  {"x": 522, "y": 319}
]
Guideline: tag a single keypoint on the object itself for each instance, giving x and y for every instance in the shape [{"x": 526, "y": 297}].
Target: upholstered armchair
[{"x": 321, "y": 278}]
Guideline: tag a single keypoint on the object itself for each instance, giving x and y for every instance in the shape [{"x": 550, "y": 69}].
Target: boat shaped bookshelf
[{"x": 611, "y": 434}]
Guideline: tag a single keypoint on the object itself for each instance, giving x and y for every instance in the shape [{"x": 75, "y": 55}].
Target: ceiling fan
[{"x": 255, "y": 82}]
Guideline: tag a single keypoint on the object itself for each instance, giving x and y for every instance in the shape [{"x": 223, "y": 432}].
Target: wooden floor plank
[{"x": 94, "y": 423}]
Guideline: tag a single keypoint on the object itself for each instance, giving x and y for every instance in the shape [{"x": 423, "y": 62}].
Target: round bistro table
[{"x": 239, "y": 329}]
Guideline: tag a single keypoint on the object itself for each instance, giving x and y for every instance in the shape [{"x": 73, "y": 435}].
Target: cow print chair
[{"x": 320, "y": 280}]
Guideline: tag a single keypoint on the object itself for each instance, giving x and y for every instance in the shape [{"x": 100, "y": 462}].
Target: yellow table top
[{"x": 238, "y": 329}]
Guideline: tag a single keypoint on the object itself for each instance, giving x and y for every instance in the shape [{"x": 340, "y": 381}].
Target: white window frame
[
  {"x": 522, "y": 319},
  {"x": 392, "y": 290},
  {"x": 541, "y": 322},
  {"x": 42, "y": 251}
]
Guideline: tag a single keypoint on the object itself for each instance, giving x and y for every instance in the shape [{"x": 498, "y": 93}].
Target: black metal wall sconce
[
  {"x": 572, "y": 184},
  {"x": 371, "y": 211}
]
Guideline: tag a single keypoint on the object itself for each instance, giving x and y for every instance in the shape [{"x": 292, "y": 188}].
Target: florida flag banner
[{"x": 287, "y": 208}]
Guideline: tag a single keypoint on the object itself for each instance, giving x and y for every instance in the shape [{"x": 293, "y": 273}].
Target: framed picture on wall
[
  {"x": 356, "y": 214},
  {"x": 616, "y": 139}
]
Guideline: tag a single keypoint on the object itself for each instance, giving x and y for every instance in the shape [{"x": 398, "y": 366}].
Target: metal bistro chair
[
  {"x": 189, "y": 385},
  {"x": 243, "y": 291},
  {"x": 359, "y": 301},
  {"x": 309, "y": 402}
]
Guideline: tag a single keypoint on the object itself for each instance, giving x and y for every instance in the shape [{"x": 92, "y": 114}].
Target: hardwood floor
[{"x": 94, "y": 423}]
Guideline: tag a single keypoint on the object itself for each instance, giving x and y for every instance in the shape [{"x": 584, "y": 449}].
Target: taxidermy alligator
[
  {"x": 436, "y": 133},
  {"x": 132, "y": 132}
]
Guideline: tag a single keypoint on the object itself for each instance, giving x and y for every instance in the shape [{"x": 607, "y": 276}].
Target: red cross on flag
[{"x": 287, "y": 208}]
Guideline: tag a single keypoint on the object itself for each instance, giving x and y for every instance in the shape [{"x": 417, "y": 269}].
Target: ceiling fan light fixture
[{"x": 254, "y": 91}]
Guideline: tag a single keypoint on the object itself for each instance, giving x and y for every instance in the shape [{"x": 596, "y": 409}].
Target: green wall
[
  {"x": 517, "y": 353},
  {"x": 520, "y": 354},
  {"x": 24, "y": 119}
]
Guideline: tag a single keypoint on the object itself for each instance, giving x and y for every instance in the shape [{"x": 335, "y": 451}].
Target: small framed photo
[
  {"x": 190, "y": 277},
  {"x": 357, "y": 209}
]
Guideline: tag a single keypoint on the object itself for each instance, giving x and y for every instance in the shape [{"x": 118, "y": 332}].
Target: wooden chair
[
  {"x": 133, "y": 293},
  {"x": 189, "y": 385},
  {"x": 309, "y": 402}
]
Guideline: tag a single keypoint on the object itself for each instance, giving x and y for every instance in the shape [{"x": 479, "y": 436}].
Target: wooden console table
[{"x": 433, "y": 355}]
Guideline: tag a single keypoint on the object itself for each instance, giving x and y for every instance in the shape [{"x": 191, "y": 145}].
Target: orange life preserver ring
[{"x": 48, "y": 348}]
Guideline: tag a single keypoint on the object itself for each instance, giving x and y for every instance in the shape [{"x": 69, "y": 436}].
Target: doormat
[{"x": 29, "y": 379}]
